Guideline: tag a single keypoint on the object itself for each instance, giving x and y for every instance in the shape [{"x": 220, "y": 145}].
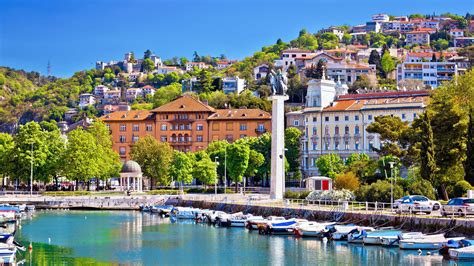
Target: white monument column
[{"x": 277, "y": 182}]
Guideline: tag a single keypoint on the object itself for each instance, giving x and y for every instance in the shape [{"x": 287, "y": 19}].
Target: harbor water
[{"x": 133, "y": 238}]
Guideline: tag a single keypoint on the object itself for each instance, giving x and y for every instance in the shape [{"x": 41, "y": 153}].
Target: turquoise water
[{"x": 132, "y": 238}]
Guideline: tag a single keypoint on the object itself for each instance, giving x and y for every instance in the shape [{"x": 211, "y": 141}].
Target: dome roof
[{"x": 131, "y": 167}]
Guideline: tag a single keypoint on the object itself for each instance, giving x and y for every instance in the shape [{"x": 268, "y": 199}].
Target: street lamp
[
  {"x": 391, "y": 185},
  {"x": 31, "y": 171},
  {"x": 225, "y": 169},
  {"x": 215, "y": 183}
]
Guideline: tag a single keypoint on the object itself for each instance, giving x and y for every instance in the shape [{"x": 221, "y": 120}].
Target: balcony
[
  {"x": 181, "y": 141},
  {"x": 260, "y": 130}
]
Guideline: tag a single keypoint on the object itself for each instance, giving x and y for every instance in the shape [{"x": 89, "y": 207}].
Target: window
[
  {"x": 215, "y": 126},
  {"x": 346, "y": 118},
  {"x": 336, "y": 118},
  {"x": 149, "y": 127},
  {"x": 346, "y": 145},
  {"x": 123, "y": 127},
  {"x": 369, "y": 117},
  {"x": 134, "y": 139},
  {"x": 403, "y": 116},
  {"x": 296, "y": 123},
  {"x": 199, "y": 138},
  {"x": 414, "y": 115},
  {"x": 229, "y": 126},
  {"x": 122, "y": 138},
  {"x": 357, "y": 145},
  {"x": 315, "y": 146},
  {"x": 346, "y": 130},
  {"x": 243, "y": 126},
  {"x": 336, "y": 130},
  {"x": 371, "y": 146},
  {"x": 163, "y": 127},
  {"x": 356, "y": 118},
  {"x": 199, "y": 127},
  {"x": 135, "y": 128},
  {"x": 122, "y": 150},
  {"x": 336, "y": 146},
  {"x": 326, "y": 118},
  {"x": 261, "y": 127},
  {"x": 314, "y": 130},
  {"x": 356, "y": 130},
  {"x": 315, "y": 119},
  {"x": 164, "y": 139}
]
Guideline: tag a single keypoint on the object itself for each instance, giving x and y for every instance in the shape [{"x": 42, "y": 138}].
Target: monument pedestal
[{"x": 277, "y": 181}]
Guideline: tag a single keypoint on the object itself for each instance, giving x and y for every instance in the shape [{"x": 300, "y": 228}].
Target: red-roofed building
[
  {"x": 455, "y": 33},
  {"x": 421, "y": 37}
]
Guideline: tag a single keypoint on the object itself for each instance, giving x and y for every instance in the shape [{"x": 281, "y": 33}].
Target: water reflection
[{"x": 81, "y": 238}]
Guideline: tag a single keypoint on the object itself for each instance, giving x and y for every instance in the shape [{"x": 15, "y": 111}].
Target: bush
[
  {"x": 333, "y": 195},
  {"x": 209, "y": 190},
  {"x": 164, "y": 192},
  {"x": 461, "y": 188},
  {"x": 421, "y": 187},
  {"x": 66, "y": 193},
  {"x": 378, "y": 191},
  {"x": 296, "y": 194},
  {"x": 347, "y": 181}
]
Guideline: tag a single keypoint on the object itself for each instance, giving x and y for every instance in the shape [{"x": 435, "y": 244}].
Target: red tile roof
[
  {"x": 244, "y": 114},
  {"x": 184, "y": 103},
  {"x": 133, "y": 115}
]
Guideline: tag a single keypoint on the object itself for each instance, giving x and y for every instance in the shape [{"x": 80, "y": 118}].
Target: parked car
[
  {"x": 458, "y": 206},
  {"x": 416, "y": 203}
]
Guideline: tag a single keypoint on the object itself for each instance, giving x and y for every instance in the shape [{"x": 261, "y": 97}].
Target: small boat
[
  {"x": 281, "y": 227},
  {"x": 255, "y": 222},
  {"x": 145, "y": 208},
  {"x": 392, "y": 241},
  {"x": 453, "y": 244},
  {"x": 184, "y": 213},
  {"x": 342, "y": 231},
  {"x": 376, "y": 237},
  {"x": 465, "y": 253},
  {"x": 211, "y": 216},
  {"x": 30, "y": 208},
  {"x": 162, "y": 209},
  {"x": 8, "y": 251},
  {"x": 426, "y": 242},
  {"x": 312, "y": 229},
  {"x": 240, "y": 220}
]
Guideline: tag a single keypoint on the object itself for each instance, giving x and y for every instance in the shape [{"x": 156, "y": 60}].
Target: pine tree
[
  {"x": 433, "y": 59},
  {"x": 469, "y": 162},
  {"x": 427, "y": 153},
  {"x": 374, "y": 59}
]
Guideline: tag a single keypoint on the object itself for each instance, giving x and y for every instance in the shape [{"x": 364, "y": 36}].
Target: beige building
[{"x": 335, "y": 122}]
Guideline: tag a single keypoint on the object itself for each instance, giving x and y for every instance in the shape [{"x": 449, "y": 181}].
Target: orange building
[{"x": 186, "y": 124}]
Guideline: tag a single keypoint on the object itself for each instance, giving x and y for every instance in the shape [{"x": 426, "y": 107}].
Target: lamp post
[
  {"x": 225, "y": 169},
  {"x": 391, "y": 185},
  {"x": 215, "y": 183}
]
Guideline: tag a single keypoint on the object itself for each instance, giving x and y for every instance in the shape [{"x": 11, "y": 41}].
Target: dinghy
[{"x": 465, "y": 253}]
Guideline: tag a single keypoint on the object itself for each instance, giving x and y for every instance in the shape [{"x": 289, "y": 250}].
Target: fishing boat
[
  {"x": 312, "y": 229},
  {"x": 392, "y": 241},
  {"x": 341, "y": 232},
  {"x": 426, "y": 242},
  {"x": 256, "y": 222},
  {"x": 465, "y": 253}
]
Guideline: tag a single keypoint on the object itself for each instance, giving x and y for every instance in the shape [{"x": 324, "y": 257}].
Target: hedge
[{"x": 66, "y": 193}]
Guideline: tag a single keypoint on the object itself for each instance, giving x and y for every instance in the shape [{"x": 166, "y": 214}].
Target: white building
[
  {"x": 99, "y": 90},
  {"x": 289, "y": 56},
  {"x": 148, "y": 90},
  {"x": 233, "y": 85},
  {"x": 133, "y": 93},
  {"x": 338, "y": 32},
  {"x": 380, "y": 18},
  {"x": 200, "y": 65},
  {"x": 417, "y": 37},
  {"x": 350, "y": 72},
  {"x": 86, "y": 99},
  {"x": 416, "y": 67},
  {"x": 260, "y": 72},
  {"x": 168, "y": 69},
  {"x": 222, "y": 64},
  {"x": 455, "y": 33},
  {"x": 113, "y": 95}
]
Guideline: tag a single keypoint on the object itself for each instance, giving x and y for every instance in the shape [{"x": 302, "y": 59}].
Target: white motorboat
[
  {"x": 239, "y": 220},
  {"x": 185, "y": 213},
  {"x": 465, "y": 253},
  {"x": 392, "y": 241},
  {"x": 257, "y": 221},
  {"x": 342, "y": 231},
  {"x": 426, "y": 242},
  {"x": 311, "y": 229}
]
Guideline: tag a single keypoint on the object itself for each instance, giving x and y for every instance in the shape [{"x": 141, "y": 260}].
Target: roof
[
  {"x": 184, "y": 103},
  {"x": 147, "y": 87},
  {"x": 132, "y": 115},
  {"x": 456, "y": 30},
  {"x": 296, "y": 50},
  {"x": 317, "y": 178},
  {"x": 430, "y": 54},
  {"x": 420, "y": 31},
  {"x": 244, "y": 114},
  {"x": 131, "y": 167}
]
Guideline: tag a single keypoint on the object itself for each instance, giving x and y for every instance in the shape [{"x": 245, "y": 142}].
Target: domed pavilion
[{"x": 131, "y": 176}]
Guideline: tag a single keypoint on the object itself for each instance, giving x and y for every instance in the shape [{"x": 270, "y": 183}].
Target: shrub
[
  {"x": 333, "y": 195},
  {"x": 461, "y": 188},
  {"x": 347, "y": 181},
  {"x": 378, "y": 191},
  {"x": 209, "y": 190},
  {"x": 66, "y": 193},
  {"x": 164, "y": 192},
  {"x": 296, "y": 194},
  {"x": 421, "y": 187}
]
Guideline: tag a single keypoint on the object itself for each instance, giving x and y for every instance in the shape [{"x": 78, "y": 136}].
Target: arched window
[{"x": 346, "y": 130}]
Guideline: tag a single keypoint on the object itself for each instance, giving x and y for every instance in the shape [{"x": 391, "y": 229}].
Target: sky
[{"x": 73, "y": 34}]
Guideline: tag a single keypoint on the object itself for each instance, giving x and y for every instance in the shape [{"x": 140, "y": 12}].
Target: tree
[
  {"x": 148, "y": 65},
  {"x": 440, "y": 44},
  {"x": 388, "y": 65},
  {"x": 329, "y": 40},
  {"x": 205, "y": 170},
  {"x": 347, "y": 38},
  {"x": 183, "y": 61},
  {"x": 205, "y": 81},
  {"x": 6, "y": 148},
  {"x": 347, "y": 180},
  {"x": 237, "y": 162},
  {"x": 362, "y": 166},
  {"x": 330, "y": 165},
  {"x": 362, "y": 82},
  {"x": 154, "y": 158},
  {"x": 469, "y": 162},
  {"x": 80, "y": 156},
  {"x": 292, "y": 144},
  {"x": 427, "y": 153},
  {"x": 181, "y": 168},
  {"x": 256, "y": 160},
  {"x": 148, "y": 54},
  {"x": 166, "y": 94},
  {"x": 374, "y": 59}
]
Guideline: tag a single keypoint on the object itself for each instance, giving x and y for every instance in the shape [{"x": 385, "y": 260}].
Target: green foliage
[
  {"x": 237, "y": 161},
  {"x": 421, "y": 187},
  {"x": 347, "y": 181},
  {"x": 181, "y": 168},
  {"x": 148, "y": 65},
  {"x": 440, "y": 44},
  {"x": 388, "y": 64},
  {"x": 166, "y": 94},
  {"x": 469, "y": 162},
  {"x": 460, "y": 188},
  {"x": 362, "y": 82},
  {"x": 385, "y": 168},
  {"x": 80, "y": 156},
  {"x": 6, "y": 149},
  {"x": 165, "y": 192},
  {"x": 292, "y": 144},
  {"x": 296, "y": 194},
  {"x": 379, "y": 191},
  {"x": 205, "y": 170},
  {"x": 154, "y": 157},
  {"x": 305, "y": 41},
  {"x": 427, "y": 153},
  {"x": 330, "y": 165},
  {"x": 362, "y": 166},
  {"x": 329, "y": 40}
]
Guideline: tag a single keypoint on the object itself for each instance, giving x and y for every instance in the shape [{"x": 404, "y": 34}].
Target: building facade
[
  {"x": 186, "y": 124},
  {"x": 336, "y": 123}
]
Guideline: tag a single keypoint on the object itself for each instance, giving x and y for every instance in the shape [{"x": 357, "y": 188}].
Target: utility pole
[
  {"x": 215, "y": 183},
  {"x": 31, "y": 171},
  {"x": 49, "y": 69}
]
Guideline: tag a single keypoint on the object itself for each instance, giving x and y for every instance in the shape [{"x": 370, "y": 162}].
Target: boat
[
  {"x": 426, "y": 242},
  {"x": 341, "y": 232},
  {"x": 162, "y": 209},
  {"x": 240, "y": 220},
  {"x": 258, "y": 221},
  {"x": 184, "y": 213},
  {"x": 392, "y": 241},
  {"x": 212, "y": 215},
  {"x": 453, "y": 244},
  {"x": 371, "y": 237},
  {"x": 145, "y": 208},
  {"x": 286, "y": 227},
  {"x": 311, "y": 229},
  {"x": 464, "y": 253},
  {"x": 8, "y": 251}
]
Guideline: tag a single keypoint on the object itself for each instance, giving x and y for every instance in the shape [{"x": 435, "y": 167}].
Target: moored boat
[
  {"x": 312, "y": 229},
  {"x": 464, "y": 253},
  {"x": 426, "y": 242}
]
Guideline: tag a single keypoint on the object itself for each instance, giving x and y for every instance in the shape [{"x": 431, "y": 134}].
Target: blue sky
[{"x": 73, "y": 34}]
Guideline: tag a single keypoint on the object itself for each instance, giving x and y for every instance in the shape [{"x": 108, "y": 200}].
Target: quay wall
[{"x": 454, "y": 227}]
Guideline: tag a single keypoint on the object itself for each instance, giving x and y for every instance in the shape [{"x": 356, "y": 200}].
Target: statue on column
[{"x": 279, "y": 83}]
